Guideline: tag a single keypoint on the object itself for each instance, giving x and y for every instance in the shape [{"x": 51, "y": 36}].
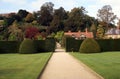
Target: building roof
[
  {"x": 79, "y": 34},
  {"x": 113, "y": 31}
]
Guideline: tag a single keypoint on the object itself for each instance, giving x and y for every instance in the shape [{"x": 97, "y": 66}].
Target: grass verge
[
  {"x": 22, "y": 66},
  {"x": 107, "y": 64}
]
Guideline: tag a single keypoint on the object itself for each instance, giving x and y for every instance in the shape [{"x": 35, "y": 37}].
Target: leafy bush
[
  {"x": 89, "y": 45},
  {"x": 59, "y": 36},
  {"x": 27, "y": 47},
  {"x": 31, "y": 32}
]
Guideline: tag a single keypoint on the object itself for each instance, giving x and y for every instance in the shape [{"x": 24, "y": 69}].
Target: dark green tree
[
  {"x": 11, "y": 18},
  {"x": 45, "y": 15},
  {"x": 22, "y": 14},
  {"x": 76, "y": 20},
  {"x": 58, "y": 19},
  {"x": 93, "y": 29},
  {"x": 29, "y": 18}
]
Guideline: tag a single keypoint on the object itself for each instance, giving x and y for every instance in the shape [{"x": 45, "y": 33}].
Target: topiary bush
[
  {"x": 27, "y": 47},
  {"x": 89, "y": 45}
]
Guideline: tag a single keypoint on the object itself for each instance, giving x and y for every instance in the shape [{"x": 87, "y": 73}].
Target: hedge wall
[
  {"x": 72, "y": 44},
  {"x": 40, "y": 45},
  {"x": 50, "y": 45},
  {"x": 105, "y": 44},
  {"x": 109, "y": 44},
  {"x": 47, "y": 45},
  {"x": 9, "y": 46}
]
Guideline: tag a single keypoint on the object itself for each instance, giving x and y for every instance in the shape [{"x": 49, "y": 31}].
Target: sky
[{"x": 92, "y": 6}]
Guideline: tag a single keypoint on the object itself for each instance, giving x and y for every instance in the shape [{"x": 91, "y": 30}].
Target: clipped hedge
[
  {"x": 105, "y": 44},
  {"x": 40, "y": 45},
  {"x": 72, "y": 44},
  {"x": 47, "y": 45},
  {"x": 9, "y": 46},
  {"x": 50, "y": 45},
  {"x": 89, "y": 45},
  {"x": 27, "y": 47},
  {"x": 109, "y": 44}
]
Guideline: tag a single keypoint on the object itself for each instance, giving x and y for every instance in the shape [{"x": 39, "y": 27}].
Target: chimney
[
  {"x": 79, "y": 31},
  {"x": 86, "y": 30},
  {"x": 69, "y": 31}
]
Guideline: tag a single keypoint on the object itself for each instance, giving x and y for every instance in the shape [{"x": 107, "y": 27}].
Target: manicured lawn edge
[
  {"x": 107, "y": 64},
  {"x": 88, "y": 68},
  {"x": 23, "y": 66},
  {"x": 44, "y": 67}
]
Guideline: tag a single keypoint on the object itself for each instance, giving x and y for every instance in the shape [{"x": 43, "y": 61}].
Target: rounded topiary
[
  {"x": 89, "y": 45},
  {"x": 27, "y": 47}
]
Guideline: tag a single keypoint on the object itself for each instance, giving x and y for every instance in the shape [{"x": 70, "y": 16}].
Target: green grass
[
  {"x": 22, "y": 66},
  {"x": 107, "y": 64}
]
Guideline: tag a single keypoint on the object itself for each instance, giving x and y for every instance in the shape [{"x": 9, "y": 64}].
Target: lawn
[
  {"x": 22, "y": 66},
  {"x": 107, "y": 64}
]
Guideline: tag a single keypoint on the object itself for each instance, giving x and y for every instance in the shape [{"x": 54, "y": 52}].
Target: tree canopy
[
  {"x": 49, "y": 21},
  {"x": 106, "y": 15}
]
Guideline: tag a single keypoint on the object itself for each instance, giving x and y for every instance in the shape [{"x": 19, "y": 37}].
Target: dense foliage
[
  {"x": 89, "y": 46},
  {"x": 31, "y": 32},
  {"x": 47, "y": 45},
  {"x": 50, "y": 21},
  {"x": 9, "y": 46},
  {"x": 27, "y": 47},
  {"x": 72, "y": 44}
]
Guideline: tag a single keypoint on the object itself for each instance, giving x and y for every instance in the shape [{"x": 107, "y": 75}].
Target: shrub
[
  {"x": 9, "y": 46},
  {"x": 50, "y": 45},
  {"x": 109, "y": 44},
  {"x": 27, "y": 47},
  {"x": 72, "y": 44},
  {"x": 31, "y": 32},
  {"x": 47, "y": 45},
  {"x": 40, "y": 45},
  {"x": 89, "y": 46}
]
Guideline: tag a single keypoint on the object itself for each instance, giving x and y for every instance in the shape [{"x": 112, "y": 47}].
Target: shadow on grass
[{"x": 9, "y": 71}]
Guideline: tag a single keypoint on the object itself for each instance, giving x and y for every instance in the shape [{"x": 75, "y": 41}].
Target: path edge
[
  {"x": 44, "y": 66},
  {"x": 87, "y": 67}
]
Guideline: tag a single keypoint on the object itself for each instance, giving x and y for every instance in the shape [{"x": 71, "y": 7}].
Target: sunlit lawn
[
  {"x": 106, "y": 64},
  {"x": 22, "y": 66}
]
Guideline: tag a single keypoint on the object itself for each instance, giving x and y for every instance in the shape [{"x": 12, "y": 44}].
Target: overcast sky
[{"x": 91, "y": 6}]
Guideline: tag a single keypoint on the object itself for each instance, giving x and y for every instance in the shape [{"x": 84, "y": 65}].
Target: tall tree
[
  {"x": 58, "y": 19},
  {"x": 76, "y": 20},
  {"x": 29, "y": 18},
  {"x": 61, "y": 13},
  {"x": 106, "y": 15},
  {"x": 22, "y": 13},
  {"x": 93, "y": 29},
  {"x": 46, "y": 14},
  {"x": 100, "y": 32},
  {"x": 118, "y": 24},
  {"x": 11, "y": 18}
]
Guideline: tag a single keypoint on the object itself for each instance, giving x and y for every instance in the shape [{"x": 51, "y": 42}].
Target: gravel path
[{"x": 64, "y": 66}]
